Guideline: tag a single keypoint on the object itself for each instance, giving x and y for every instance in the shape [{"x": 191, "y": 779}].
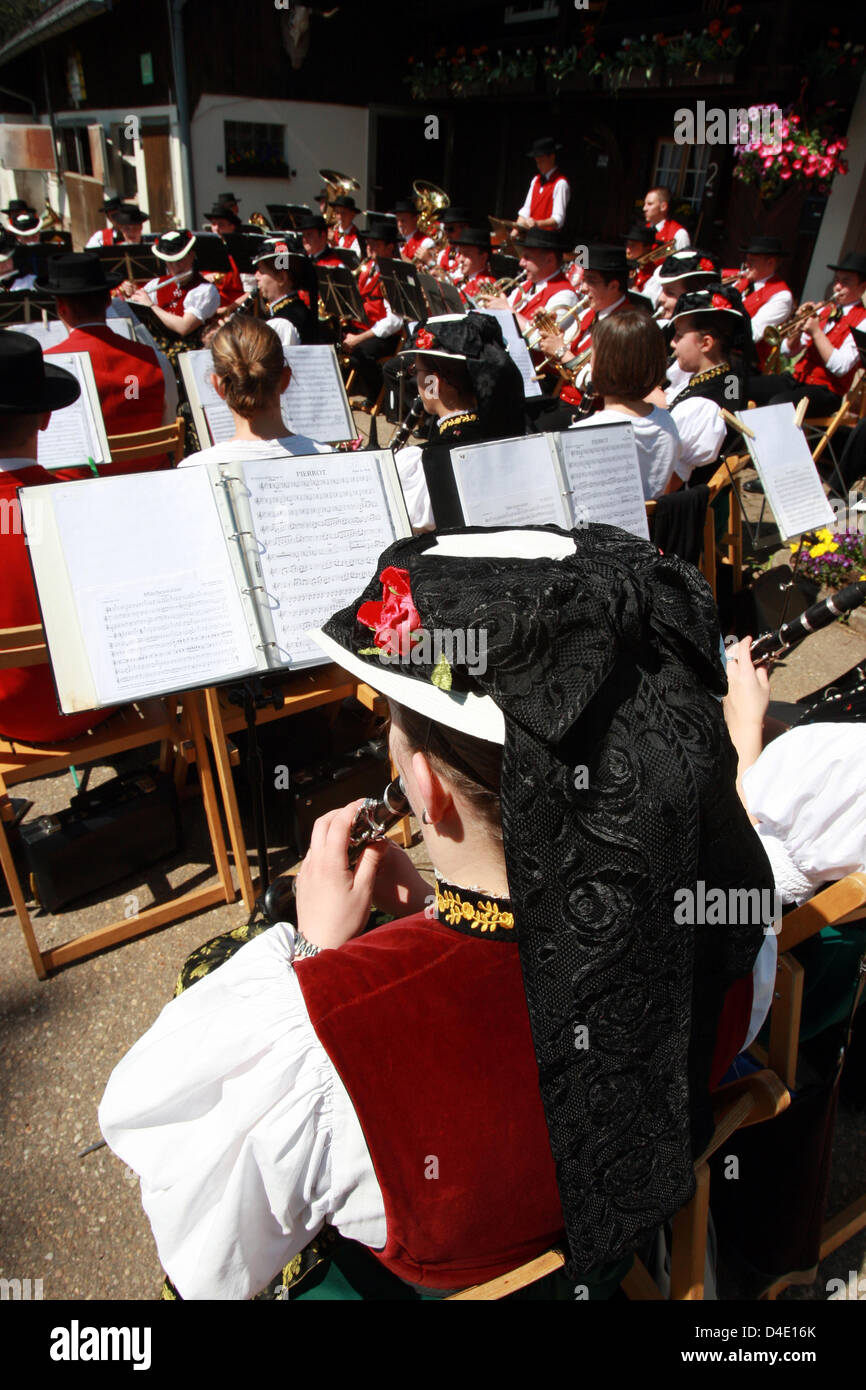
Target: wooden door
[{"x": 157, "y": 165}]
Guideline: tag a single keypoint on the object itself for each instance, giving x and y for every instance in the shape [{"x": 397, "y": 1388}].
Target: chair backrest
[
  {"x": 22, "y": 646},
  {"x": 167, "y": 439}
]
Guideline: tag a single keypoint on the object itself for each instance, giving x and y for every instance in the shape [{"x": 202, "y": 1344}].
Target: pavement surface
[{"x": 74, "y": 1220}]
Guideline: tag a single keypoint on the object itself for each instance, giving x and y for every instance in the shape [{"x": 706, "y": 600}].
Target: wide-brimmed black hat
[
  {"x": 683, "y": 265},
  {"x": 638, "y": 232},
  {"x": 228, "y": 198},
  {"x": 608, "y": 260},
  {"x": 542, "y": 239},
  {"x": 476, "y": 340},
  {"x": 600, "y": 655},
  {"x": 128, "y": 215},
  {"x": 381, "y": 228},
  {"x": 405, "y": 205},
  {"x": 473, "y": 236},
  {"x": 711, "y": 299},
  {"x": 313, "y": 222},
  {"x": 17, "y": 205},
  {"x": 454, "y": 214},
  {"x": 174, "y": 245},
  {"x": 111, "y": 204},
  {"x": 272, "y": 247},
  {"x": 854, "y": 261},
  {"x": 78, "y": 272},
  {"x": 764, "y": 246},
  {"x": 345, "y": 200},
  {"x": 544, "y": 145},
  {"x": 222, "y": 210},
  {"x": 28, "y": 384}
]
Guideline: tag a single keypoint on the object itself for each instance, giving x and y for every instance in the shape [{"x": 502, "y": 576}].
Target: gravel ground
[{"x": 76, "y": 1222}]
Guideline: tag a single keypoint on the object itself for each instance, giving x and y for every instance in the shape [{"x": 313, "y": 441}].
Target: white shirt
[
  {"x": 844, "y": 358},
  {"x": 777, "y": 309},
  {"x": 202, "y": 301},
  {"x": 657, "y": 441},
  {"x": 285, "y": 330},
  {"x": 231, "y": 450},
  {"x": 563, "y": 299},
  {"x": 682, "y": 240},
  {"x": 237, "y": 1184},
  {"x": 390, "y": 324},
  {"x": 701, "y": 429},
  {"x": 561, "y": 195}
]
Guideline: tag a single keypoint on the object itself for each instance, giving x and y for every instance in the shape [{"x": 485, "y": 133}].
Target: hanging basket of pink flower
[{"x": 781, "y": 152}]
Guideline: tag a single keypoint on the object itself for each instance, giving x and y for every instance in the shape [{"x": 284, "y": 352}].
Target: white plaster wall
[
  {"x": 318, "y": 136},
  {"x": 843, "y": 227}
]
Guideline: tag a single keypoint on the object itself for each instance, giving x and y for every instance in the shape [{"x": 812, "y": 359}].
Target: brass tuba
[
  {"x": 337, "y": 184},
  {"x": 430, "y": 201}
]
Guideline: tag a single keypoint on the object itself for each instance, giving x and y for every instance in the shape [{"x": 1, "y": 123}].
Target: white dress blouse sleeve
[
  {"x": 807, "y": 793},
  {"x": 413, "y": 481},
  {"x": 702, "y": 433},
  {"x": 240, "y": 1129}
]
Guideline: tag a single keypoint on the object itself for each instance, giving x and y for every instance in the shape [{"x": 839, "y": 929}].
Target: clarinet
[
  {"x": 373, "y": 821},
  {"x": 416, "y": 410},
  {"x": 818, "y": 616},
  {"x": 250, "y": 303}
]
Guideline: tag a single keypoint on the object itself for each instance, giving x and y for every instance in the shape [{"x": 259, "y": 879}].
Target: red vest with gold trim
[
  {"x": 429, "y": 1032},
  {"x": 810, "y": 369},
  {"x": 28, "y": 702},
  {"x": 131, "y": 390},
  {"x": 541, "y": 196},
  {"x": 170, "y": 296}
]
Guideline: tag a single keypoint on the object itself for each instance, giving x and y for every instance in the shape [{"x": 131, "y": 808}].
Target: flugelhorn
[
  {"x": 775, "y": 334},
  {"x": 338, "y": 185},
  {"x": 504, "y": 286},
  {"x": 545, "y": 322},
  {"x": 655, "y": 253}
]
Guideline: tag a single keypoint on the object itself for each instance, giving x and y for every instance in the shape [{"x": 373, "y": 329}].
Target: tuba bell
[
  {"x": 337, "y": 184},
  {"x": 430, "y": 201}
]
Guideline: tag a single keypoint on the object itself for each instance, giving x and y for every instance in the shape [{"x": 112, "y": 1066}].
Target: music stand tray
[
  {"x": 338, "y": 291},
  {"x": 26, "y": 306},
  {"x": 402, "y": 288},
  {"x": 131, "y": 260}
]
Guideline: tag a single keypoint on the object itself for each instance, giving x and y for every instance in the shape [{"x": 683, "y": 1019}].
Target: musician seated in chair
[
  {"x": 30, "y": 389},
  {"x": 826, "y": 369},
  {"x": 289, "y": 317},
  {"x": 472, "y": 249},
  {"x": 181, "y": 299},
  {"x": 379, "y": 336},
  {"x": 250, "y": 374},
  {"x": 11, "y": 279},
  {"x": 328, "y": 1077},
  {"x": 137, "y": 386}
]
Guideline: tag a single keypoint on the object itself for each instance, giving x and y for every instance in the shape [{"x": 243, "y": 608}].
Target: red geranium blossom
[
  {"x": 394, "y": 619},
  {"x": 423, "y": 338},
  {"x": 719, "y": 302}
]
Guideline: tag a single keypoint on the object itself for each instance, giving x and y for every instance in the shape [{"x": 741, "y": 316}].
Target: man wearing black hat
[
  {"x": 546, "y": 286},
  {"x": 547, "y": 200},
  {"x": 314, "y": 237},
  {"x": 767, "y": 299},
  {"x": 228, "y": 200},
  {"x": 107, "y": 236},
  {"x": 289, "y": 317},
  {"x": 639, "y": 239},
  {"x": 223, "y": 222},
  {"x": 455, "y": 221},
  {"x": 11, "y": 278},
  {"x": 416, "y": 247},
  {"x": 345, "y": 233},
  {"x": 30, "y": 389},
  {"x": 826, "y": 369},
  {"x": 472, "y": 249},
  {"x": 379, "y": 339},
  {"x": 137, "y": 389}
]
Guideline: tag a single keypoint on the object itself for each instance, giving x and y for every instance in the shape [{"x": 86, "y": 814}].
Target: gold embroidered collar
[
  {"x": 474, "y": 913},
  {"x": 468, "y": 418}
]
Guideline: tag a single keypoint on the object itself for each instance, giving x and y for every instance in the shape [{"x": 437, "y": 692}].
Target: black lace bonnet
[{"x": 606, "y": 661}]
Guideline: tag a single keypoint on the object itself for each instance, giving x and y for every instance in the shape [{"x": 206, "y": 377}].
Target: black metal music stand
[
  {"x": 403, "y": 288},
  {"x": 338, "y": 290},
  {"x": 440, "y": 296},
  {"x": 26, "y": 306},
  {"x": 251, "y": 696},
  {"x": 131, "y": 260}
]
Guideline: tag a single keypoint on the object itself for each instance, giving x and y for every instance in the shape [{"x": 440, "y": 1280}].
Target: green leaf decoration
[
  {"x": 368, "y": 651},
  {"x": 442, "y": 674}
]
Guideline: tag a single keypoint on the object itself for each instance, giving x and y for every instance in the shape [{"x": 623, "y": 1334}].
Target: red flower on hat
[
  {"x": 719, "y": 302},
  {"x": 705, "y": 264},
  {"x": 423, "y": 338},
  {"x": 281, "y": 247},
  {"x": 394, "y": 619}
]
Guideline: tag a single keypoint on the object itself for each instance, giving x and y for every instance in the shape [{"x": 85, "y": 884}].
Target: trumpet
[
  {"x": 732, "y": 279},
  {"x": 655, "y": 253},
  {"x": 548, "y": 323},
  {"x": 776, "y": 334},
  {"x": 570, "y": 373},
  {"x": 504, "y": 286}
]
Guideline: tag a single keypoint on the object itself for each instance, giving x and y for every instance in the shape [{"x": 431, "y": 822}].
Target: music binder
[
  {"x": 569, "y": 479},
  {"x": 76, "y": 436},
  {"x": 315, "y": 404},
  {"x": 158, "y": 582}
]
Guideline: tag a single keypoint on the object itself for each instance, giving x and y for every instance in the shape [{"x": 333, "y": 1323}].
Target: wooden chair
[
  {"x": 841, "y": 902},
  {"x": 750, "y": 1101},
  {"x": 171, "y": 722},
  {"x": 852, "y": 410},
  {"x": 732, "y": 538},
  {"x": 132, "y": 448}
]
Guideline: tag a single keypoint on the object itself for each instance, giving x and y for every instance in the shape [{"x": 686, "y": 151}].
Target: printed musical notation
[
  {"x": 321, "y": 522},
  {"x": 511, "y": 482},
  {"x": 314, "y": 404},
  {"x": 785, "y": 466},
  {"x": 603, "y": 473}
]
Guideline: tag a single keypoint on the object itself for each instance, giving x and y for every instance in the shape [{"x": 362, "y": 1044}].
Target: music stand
[
  {"x": 441, "y": 296},
  {"x": 211, "y": 252},
  {"x": 402, "y": 288},
  {"x": 26, "y": 306},
  {"x": 33, "y": 260},
  {"x": 133, "y": 261},
  {"x": 338, "y": 290},
  {"x": 285, "y": 216},
  {"x": 242, "y": 247}
]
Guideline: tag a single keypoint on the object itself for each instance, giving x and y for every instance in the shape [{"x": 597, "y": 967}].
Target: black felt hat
[
  {"x": 24, "y": 223},
  {"x": 608, "y": 260},
  {"x": 405, "y": 205},
  {"x": 473, "y": 236},
  {"x": 544, "y": 145},
  {"x": 79, "y": 272},
  {"x": 313, "y": 222},
  {"x": 601, "y": 655},
  {"x": 224, "y": 211},
  {"x": 764, "y": 246},
  {"x": 28, "y": 384},
  {"x": 476, "y": 339},
  {"x": 272, "y": 247},
  {"x": 381, "y": 227},
  {"x": 683, "y": 265},
  {"x": 638, "y": 232},
  {"x": 111, "y": 204},
  {"x": 128, "y": 215},
  {"x": 228, "y": 198},
  {"x": 542, "y": 239},
  {"x": 174, "y": 245},
  {"x": 854, "y": 261},
  {"x": 345, "y": 200},
  {"x": 17, "y": 205},
  {"x": 711, "y": 299},
  {"x": 455, "y": 214}
]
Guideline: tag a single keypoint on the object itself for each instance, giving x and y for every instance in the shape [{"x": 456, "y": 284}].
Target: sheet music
[
  {"x": 517, "y": 349},
  {"x": 73, "y": 434},
  {"x": 157, "y": 600},
  {"x": 603, "y": 474},
  {"x": 47, "y": 335},
  {"x": 509, "y": 482},
  {"x": 315, "y": 403},
  {"x": 791, "y": 481},
  {"x": 322, "y": 521}
]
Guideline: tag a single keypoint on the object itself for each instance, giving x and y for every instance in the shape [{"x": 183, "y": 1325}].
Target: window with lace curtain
[{"x": 255, "y": 148}]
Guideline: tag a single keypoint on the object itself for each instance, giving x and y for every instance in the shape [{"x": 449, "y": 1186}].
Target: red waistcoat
[
  {"x": 811, "y": 371},
  {"x": 541, "y": 197},
  {"x": 230, "y": 285},
  {"x": 372, "y": 292},
  {"x": 538, "y": 298},
  {"x": 753, "y": 300},
  {"x": 469, "y": 288},
  {"x": 131, "y": 390},
  {"x": 668, "y": 231},
  {"x": 28, "y": 703},
  {"x": 349, "y": 240},
  {"x": 429, "y": 1031},
  {"x": 409, "y": 250},
  {"x": 170, "y": 296}
]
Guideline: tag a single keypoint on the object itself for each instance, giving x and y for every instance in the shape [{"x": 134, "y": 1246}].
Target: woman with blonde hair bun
[{"x": 250, "y": 374}]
